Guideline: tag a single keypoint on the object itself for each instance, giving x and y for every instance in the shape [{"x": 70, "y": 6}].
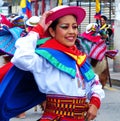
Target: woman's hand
[
  {"x": 92, "y": 112},
  {"x": 43, "y": 18}
]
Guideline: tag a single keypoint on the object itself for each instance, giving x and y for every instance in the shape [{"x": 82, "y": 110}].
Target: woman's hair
[
  {"x": 104, "y": 17},
  {"x": 54, "y": 24}
]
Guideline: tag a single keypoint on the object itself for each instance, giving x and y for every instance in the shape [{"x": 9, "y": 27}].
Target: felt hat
[
  {"x": 8, "y": 39},
  {"x": 63, "y": 10},
  {"x": 33, "y": 21},
  {"x": 18, "y": 93}
]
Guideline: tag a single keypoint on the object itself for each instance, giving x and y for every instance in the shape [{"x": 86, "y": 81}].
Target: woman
[
  {"x": 105, "y": 29},
  {"x": 95, "y": 47},
  {"x": 59, "y": 68}
]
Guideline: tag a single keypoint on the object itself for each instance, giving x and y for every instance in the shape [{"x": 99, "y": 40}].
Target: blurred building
[{"x": 6, "y": 8}]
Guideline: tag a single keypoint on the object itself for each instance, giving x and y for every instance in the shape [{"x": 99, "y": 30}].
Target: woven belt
[{"x": 65, "y": 107}]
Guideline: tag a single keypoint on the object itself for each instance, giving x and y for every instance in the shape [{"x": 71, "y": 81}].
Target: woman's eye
[
  {"x": 67, "y": 26},
  {"x": 75, "y": 27},
  {"x": 64, "y": 26}
]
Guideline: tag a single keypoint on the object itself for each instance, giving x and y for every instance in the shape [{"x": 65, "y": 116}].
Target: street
[
  {"x": 110, "y": 108},
  {"x": 109, "y": 111}
]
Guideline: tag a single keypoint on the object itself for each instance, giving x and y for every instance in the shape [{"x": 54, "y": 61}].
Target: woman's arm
[{"x": 96, "y": 94}]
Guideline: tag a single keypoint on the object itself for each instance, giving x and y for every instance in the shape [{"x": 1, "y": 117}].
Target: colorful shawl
[{"x": 66, "y": 58}]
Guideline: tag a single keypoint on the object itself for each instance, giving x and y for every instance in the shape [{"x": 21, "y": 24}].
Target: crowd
[{"x": 61, "y": 60}]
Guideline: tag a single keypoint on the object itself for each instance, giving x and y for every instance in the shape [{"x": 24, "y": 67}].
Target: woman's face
[
  {"x": 102, "y": 21},
  {"x": 66, "y": 30}
]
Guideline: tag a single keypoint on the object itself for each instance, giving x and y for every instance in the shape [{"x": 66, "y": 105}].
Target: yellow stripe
[
  {"x": 110, "y": 88},
  {"x": 103, "y": 27},
  {"x": 79, "y": 59}
]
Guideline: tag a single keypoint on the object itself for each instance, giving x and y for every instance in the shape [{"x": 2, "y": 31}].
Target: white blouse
[{"x": 49, "y": 79}]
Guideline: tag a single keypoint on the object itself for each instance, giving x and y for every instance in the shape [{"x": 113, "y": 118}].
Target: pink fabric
[
  {"x": 90, "y": 37},
  {"x": 98, "y": 50},
  {"x": 5, "y": 21}
]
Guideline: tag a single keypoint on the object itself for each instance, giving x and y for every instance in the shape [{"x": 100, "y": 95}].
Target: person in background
[
  {"x": 61, "y": 71},
  {"x": 95, "y": 47},
  {"x": 105, "y": 29},
  {"x": 6, "y": 65}
]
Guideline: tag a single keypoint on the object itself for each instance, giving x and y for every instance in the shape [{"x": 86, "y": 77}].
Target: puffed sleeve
[
  {"x": 95, "y": 92},
  {"x": 25, "y": 56}
]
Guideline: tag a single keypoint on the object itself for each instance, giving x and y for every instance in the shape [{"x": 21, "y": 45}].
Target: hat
[
  {"x": 18, "y": 93},
  {"x": 33, "y": 21},
  {"x": 16, "y": 17},
  {"x": 91, "y": 27},
  {"x": 18, "y": 21},
  {"x": 8, "y": 39},
  {"x": 63, "y": 10}
]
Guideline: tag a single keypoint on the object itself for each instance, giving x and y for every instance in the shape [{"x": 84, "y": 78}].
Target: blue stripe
[{"x": 28, "y": 5}]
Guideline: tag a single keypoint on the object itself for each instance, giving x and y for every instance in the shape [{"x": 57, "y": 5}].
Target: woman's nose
[{"x": 71, "y": 30}]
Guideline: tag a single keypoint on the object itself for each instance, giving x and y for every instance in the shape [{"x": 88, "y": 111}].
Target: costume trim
[
  {"x": 59, "y": 63},
  {"x": 65, "y": 63}
]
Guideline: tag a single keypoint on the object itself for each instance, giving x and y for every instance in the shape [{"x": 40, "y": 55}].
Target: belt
[{"x": 67, "y": 108}]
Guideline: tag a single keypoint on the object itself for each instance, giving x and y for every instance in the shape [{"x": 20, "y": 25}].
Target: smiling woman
[{"x": 60, "y": 70}]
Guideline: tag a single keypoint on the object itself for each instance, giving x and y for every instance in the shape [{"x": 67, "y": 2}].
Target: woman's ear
[{"x": 52, "y": 32}]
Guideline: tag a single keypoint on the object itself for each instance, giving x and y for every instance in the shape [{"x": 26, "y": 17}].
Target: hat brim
[
  {"x": 34, "y": 20},
  {"x": 74, "y": 10},
  {"x": 8, "y": 39},
  {"x": 17, "y": 18},
  {"x": 28, "y": 23}
]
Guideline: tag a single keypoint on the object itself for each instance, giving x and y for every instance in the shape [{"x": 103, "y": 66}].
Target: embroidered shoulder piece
[
  {"x": 66, "y": 63},
  {"x": 58, "y": 59},
  {"x": 87, "y": 71}
]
